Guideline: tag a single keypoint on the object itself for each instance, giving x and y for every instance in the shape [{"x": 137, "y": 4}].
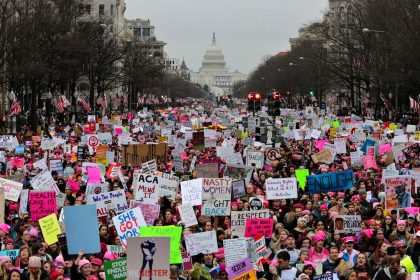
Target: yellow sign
[
  {"x": 393, "y": 126},
  {"x": 50, "y": 228},
  {"x": 333, "y": 132},
  {"x": 417, "y": 136}
]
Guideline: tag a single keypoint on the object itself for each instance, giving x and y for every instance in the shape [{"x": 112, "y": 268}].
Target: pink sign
[
  {"x": 94, "y": 174},
  {"x": 262, "y": 226},
  {"x": 319, "y": 144},
  {"x": 42, "y": 204},
  {"x": 385, "y": 149},
  {"x": 369, "y": 162},
  {"x": 412, "y": 210}
]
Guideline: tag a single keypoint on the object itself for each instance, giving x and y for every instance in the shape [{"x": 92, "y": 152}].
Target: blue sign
[
  {"x": 20, "y": 149},
  {"x": 12, "y": 254},
  {"x": 330, "y": 182},
  {"x": 82, "y": 229},
  {"x": 368, "y": 143}
]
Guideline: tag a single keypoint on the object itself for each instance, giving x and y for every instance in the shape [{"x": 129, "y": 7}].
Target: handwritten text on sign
[
  {"x": 258, "y": 226},
  {"x": 280, "y": 188},
  {"x": 216, "y": 196},
  {"x": 147, "y": 189},
  {"x": 333, "y": 181}
]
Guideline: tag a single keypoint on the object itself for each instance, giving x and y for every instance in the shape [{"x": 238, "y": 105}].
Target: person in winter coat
[
  {"x": 35, "y": 270},
  {"x": 391, "y": 271}
]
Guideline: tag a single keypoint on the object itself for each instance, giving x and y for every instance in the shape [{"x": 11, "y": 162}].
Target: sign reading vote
[{"x": 333, "y": 181}]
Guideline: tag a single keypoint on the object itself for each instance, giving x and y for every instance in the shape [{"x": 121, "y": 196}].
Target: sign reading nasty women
[{"x": 216, "y": 196}]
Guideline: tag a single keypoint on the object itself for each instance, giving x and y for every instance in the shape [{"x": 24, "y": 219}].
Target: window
[
  {"x": 146, "y": 32},
  {"x": 112, "y": 10},
  {"x": 101, "y": 9},
  {"x": 84, "y": 9}
]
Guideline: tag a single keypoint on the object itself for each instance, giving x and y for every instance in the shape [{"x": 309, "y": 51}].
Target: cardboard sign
[
  {"x": 84, "y": 216},
  {"x": 330, "y": 182},
  {"x": 238, "y": 220},
  {"x": 348, "y": 224},
  {"x": 165, "y": 231},
  {"x": 202, "y": 242},
  {"x": 398, "y": 192},
  {"x": 198, "y": 140},
  {"x": 42, "y": 204},
  {"x": 191, "y": 191},
  {"x": 50, "y": 228},
  {"x": 147, "y": 188},
  {"x": 12, "y": 189},
  {"x": 148, "y": 258},
  {"x": 207, "y": 170},
  {"x": 127, "y": 224},
  {"x": 187, "y": 214},
  {"x": 235, "y": 250},
  {"x": 258, "y": 226},
  {"x": 149, "y": 167},
  {"x": 216, "y": 196},
  {"x": 135, "y": 155},
  {"x": 114, "y": 201},
  {"x": 280, "y": 188},
  {"x": 168, "y": 187},
  {"x": 238, "y": 188},
  {"x": 116, "y": 269},
  {"x": 44, "y": 182},
  {"x": 255, "y": 158},
  {"x": 24, "y": 196},
  {"x": 324, "y": 156}
]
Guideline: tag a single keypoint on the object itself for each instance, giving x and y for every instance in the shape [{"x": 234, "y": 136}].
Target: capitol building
[{"x": 214, "y": 73}]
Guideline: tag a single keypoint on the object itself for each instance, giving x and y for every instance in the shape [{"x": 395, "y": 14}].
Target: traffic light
[
  {"x": 257, "y": 106},
  {"x": 274, "y": 104},
  {"x": 312, "y": 92},
  {"x": 251, "y": 101}
]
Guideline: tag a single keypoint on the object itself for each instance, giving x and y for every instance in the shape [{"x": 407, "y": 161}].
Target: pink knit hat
[
  {"x": 109, "y": 256},
  {"x": 5, "y": 228},
  {"x": 83, "y": 263}
]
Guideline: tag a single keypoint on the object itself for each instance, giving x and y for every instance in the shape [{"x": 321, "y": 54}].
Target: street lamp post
[{"x": 318, "y": 70}]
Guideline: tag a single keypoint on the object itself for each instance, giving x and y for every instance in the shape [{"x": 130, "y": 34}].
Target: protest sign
[
  {"x": 6, "y": 140},
  {"x": 152, "y": 262},
  {"x": 235, "y": 250},
  {"x": 330, "y": 182},
  {"x": 243, "y": 269},
  {"x": 85, "y": 235},
  {"x": 324, "y": 156},
  {"x": 256, "y": 203},
  {"x": 150, "y": 211},
  {"x": 191, "y": 191},
  {"x": 415, "y": 276},
  {"x": 187, "y": 214},
  {"x": 114, "y": 201},
  {"x": 255, "y": 158},
  {"x": 168, "y": 187},
  {"x": 127, "y": 224},
  {"x": 207, "y": 170},
  {"x": 348, "y": 224},
  {"x": 398, "y": 192},
  {"x": 369, "y": 161},
  {"x": 116, "y": 269},
  {"x": 147, "y": 188},
  {"x": 280, "y": 188},
  {"x": 202, "y": 242},
  {"x": 216, "y": 196},
  {"x": 166, "y": 231},
  {"x": 11, "y": 188},
  {"x": 41, "y": 164},
  {"x": 42, "y": 204},
  {"x": 327, "y": 276},
  {"x": 135, "y": 155},
  {"x": 117, "y": 250},
  {"x": 100, "y": 156},
  {"x": 12, "y": 254},
  {"x": 94, "y": 189},
  {"x": 56, "y": 165},
  {"x": 186, "y": 261},
  {"x": 23, "y": 207},
  {"x": 301, "y": 177},
  {"x": 238, "y": 188},
  {"x": 113, "y": 170},
  {"x": 44, "y": 182},
  {"x": 149, "y": 166},
  {"x": 210, "y": 142},
  {"x": 50, "y": 228},
  {"x": 239, "y": 172},
  {"x": 238, "y": 220},
  {"x": 60, "y": 199},
  {"x": 356, "y": 159},
  {"x": 198, "y": 140},
  {"x": 94, "y": 175},
  {"x": 258, "y": 226}
]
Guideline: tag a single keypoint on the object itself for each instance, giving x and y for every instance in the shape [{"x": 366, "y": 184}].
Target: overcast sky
[{"x": 246, "y": 30}]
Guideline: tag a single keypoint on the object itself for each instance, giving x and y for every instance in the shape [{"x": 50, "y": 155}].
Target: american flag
[
  {"x": 15, "y": 108},
  {"x": 126, "y": 99},
  {"x": 414, "y": 104},
  {"x": 85, "y": 105},
  {"x": 386, "y": 102},
  {"x": 101, "y": 101},
  {"x": 58, "y": 103},
  {"x": 66, "y": 102}
]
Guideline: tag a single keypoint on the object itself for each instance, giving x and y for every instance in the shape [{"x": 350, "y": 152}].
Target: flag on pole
[
  {"x": 58, "y": 103},
  {"x": 15, "y": 108},
  {"x": 65, "y": 101},
  {"x": 386, "y": 102},
  {"x": 85, "y": 105},
  {"x": 414, "y": 104},
  {"x": 101, "y": 101}
]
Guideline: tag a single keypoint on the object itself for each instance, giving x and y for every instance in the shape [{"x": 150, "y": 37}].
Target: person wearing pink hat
[
  {"x": 317, "y": 253},
  {"x": 349, "y": 254},
  {"x": 81, "y": 268},
  {"x": 35, "y": 270},
  {"x": 5, "y": 264}
]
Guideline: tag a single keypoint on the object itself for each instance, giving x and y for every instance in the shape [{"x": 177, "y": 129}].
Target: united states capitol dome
[{"x": 214, "y": 59}]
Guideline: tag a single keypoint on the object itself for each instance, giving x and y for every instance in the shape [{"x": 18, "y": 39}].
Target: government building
[{"x": 214, "y": 74}]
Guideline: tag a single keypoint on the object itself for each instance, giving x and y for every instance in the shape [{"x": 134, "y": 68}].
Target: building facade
[{"x": 213, "y": 72}]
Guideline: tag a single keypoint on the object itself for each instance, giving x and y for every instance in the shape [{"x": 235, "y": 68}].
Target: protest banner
[
  {"x": 191, "y": 191},
  {"x": 11, "y": 188},
  {"x": 12, "y": 254},
  {"x": 94, "y": 189},
  {"x": 147, "y": 188},
  {"x": 114, "y": 201},
  {"x": 50, "y": 228},
  {"x": 116, "y": 269},
  {"x": 327, "y": 276},
  {"x": 44, "y": 182},
  {"x": 135, "y": 155},
  {"x": 239, "y": 172},
  {"x": 255, "y": 158},
  {"x": 56, "y": 165},
  {"x": 41, "y": 164},
  {"x": 258, "y": 226},
  {"x": 207, "y": 170},
  {"x": 127, "y": 224},
  {"x": 238, "y": 188},
  {"x": 85, "y": 235},
  {"x": 324, "y": 156},
  {"x": 398, "y": 192},
  {"x": 241, "y": 270},
  {"x": 187, "y": 214},
  {"x": 238, "y": 220},
  {"x": 280, "y": 188},
  {"x": 202, "y": 242},
  {"x": 166, "y": 231},
  {"x": 149, "y": 167},
  {"x": 348, "y": 224},
  {"x": 330, "y": 182},
  {"x": 216, "y": 196},
  {"x": 168, "y": 187},
  {"x": 24, "y": 196},
  {"x": 235, "y": 250},
  {"x": 152, "y": 263},
  {"x": 369, "y": 161},
  {"x": 301, "y": 177},
  {"x": 42, "y": 204}
]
